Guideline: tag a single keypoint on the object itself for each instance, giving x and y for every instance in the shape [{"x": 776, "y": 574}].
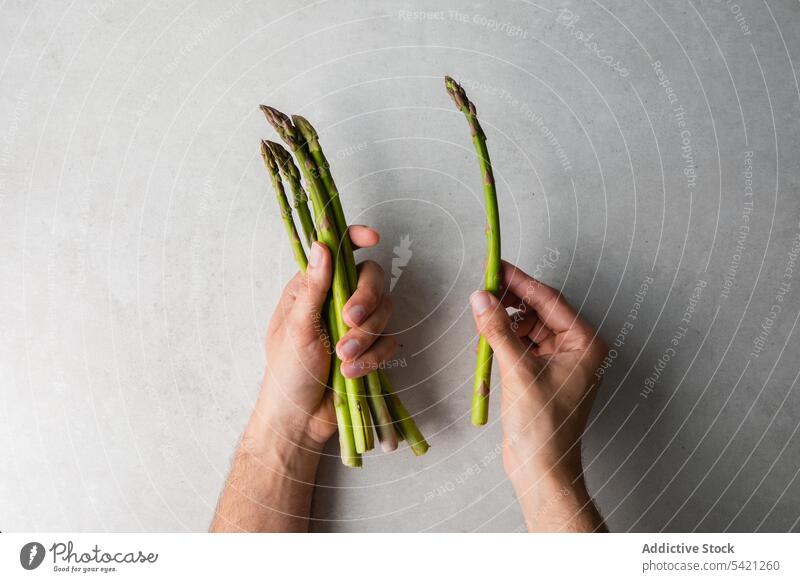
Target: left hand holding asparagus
[
  {"x": 272, "y": 477},
  {"x": 294, "y": 404}
]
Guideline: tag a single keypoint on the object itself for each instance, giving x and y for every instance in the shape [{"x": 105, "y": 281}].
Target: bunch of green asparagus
[
  {"x": 361, "y": 404},
  {"x": 483, "y": 368}
]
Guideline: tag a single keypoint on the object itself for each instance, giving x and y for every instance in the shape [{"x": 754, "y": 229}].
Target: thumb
[
  {"x": 316, "y": 282},
  {"x": 494, "y": 325}
]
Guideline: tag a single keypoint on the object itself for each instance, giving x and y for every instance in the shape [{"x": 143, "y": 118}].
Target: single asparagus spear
[
  {"x": 326, "y": 230},
  {"x": 347, "y": 448},
  {"x": 403, "y": 421},
  {"x": 381, "y": 416},
  {"x": 311, "y": 138},
  {"x": 483, "y": 368},
  {"x": 380, "y": 412},
  {"x": 291, "y": 174},
  {"x": 286, "y": 210}
]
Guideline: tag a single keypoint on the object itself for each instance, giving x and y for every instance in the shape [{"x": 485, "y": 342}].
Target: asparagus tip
[
  {"x": 305, "y": 127},
  {"x": 274, "y": 116},
  {"x": 269, "y": 159},
  {"x": 281, "y": 123},
  {"x": 467, "y": 107},
  {"x": 274, "y": 149},
  {"x": 457, "y": 93}
]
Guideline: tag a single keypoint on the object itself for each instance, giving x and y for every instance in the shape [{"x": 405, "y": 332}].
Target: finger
[
  {"x": 494, "y": 325},
  {"x": 523, "y": 322},
  {"x": 524, "y": 318},
  {"x": 539, "y": 333},
  {"x": 358, "y": 340},
  {"x": 362, "y": 236},
  {"x": 550, "y": 306},
  {"x": 509, "y": 299},
  {"x": 381, "y": 350},
  {"x": 367, "y": 296},
  {"x": 312, "y": 288},
  {"x": 545, "y": 348},
  {"x": 552, "y": 344}
]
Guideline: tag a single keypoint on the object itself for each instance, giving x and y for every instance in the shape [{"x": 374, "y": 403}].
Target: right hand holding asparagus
[{"x": 547, "y": 355}]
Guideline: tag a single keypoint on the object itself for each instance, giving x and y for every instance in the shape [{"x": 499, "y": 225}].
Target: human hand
[
  {"x": 294, "y": 404},
  {"x": 272, "y": 477},
  {"x": 547, "y": 356}
]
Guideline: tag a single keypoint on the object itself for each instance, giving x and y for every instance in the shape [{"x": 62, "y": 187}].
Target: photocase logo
[
  {"x": 31, "y": 555},
  {"x": 402, "y": 255}
]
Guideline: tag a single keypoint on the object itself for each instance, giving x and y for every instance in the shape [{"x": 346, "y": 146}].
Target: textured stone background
[{"x": 141, "y": 253}]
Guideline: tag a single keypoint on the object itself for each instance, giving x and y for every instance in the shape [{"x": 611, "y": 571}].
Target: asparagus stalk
[
  {"x": 311, "y": 138},
  {"x": 381, "y": 416},
  {"x": 380, "y": 413},
  {"x": 483, "y": 368},
  {"x": 326, "y": 230},
  {"x": 286, "y": 210},
  {"x": 291, "y": 174},
  {"x": 347, "y": 448},
  {"x": 405, "y": 425}
]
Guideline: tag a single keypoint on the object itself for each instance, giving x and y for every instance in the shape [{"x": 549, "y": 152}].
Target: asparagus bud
[
  {"x": 283, "y": 204},
  {"x": 291, "y": 174},
  {"x": 283, "y": 125}
]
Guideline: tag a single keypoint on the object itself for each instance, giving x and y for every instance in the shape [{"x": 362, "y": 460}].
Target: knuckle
[
  {"x": 307, "y": 335},
  {"x": 295, "y": 284},
  {"x": 304, "y": 284},
  {"x": 495, "y": 332},
  {"x": 547, "y": 293},
  {"x": 369, "y": 295},
  {"x": 375, "y": 267},
  {"x": 382, "y": 350},
  {"x": 391, "y": 345},
  {"x": 551, "y": 296}
]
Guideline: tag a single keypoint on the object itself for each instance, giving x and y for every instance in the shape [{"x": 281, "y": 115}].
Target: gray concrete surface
[{"x": 651, "y": 146}]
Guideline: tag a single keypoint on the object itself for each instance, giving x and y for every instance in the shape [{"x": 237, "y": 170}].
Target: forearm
[
  {"x": 269, "y": 488},
  {"x": 552, "y": 501}
]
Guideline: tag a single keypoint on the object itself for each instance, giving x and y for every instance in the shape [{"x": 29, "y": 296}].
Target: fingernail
[
  {"x": 315, "y": 256},
  {"x": 357, "y": 314},
  {"x": 480, "y": 301},
  {"x": 351, "y": 369},
  {"x": 349, "y": 349}
]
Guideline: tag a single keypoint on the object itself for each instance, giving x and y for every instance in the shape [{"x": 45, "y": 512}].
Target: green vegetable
[
  {"x": 355, "y": 410},
  {"x": 483, "y": 367}
]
